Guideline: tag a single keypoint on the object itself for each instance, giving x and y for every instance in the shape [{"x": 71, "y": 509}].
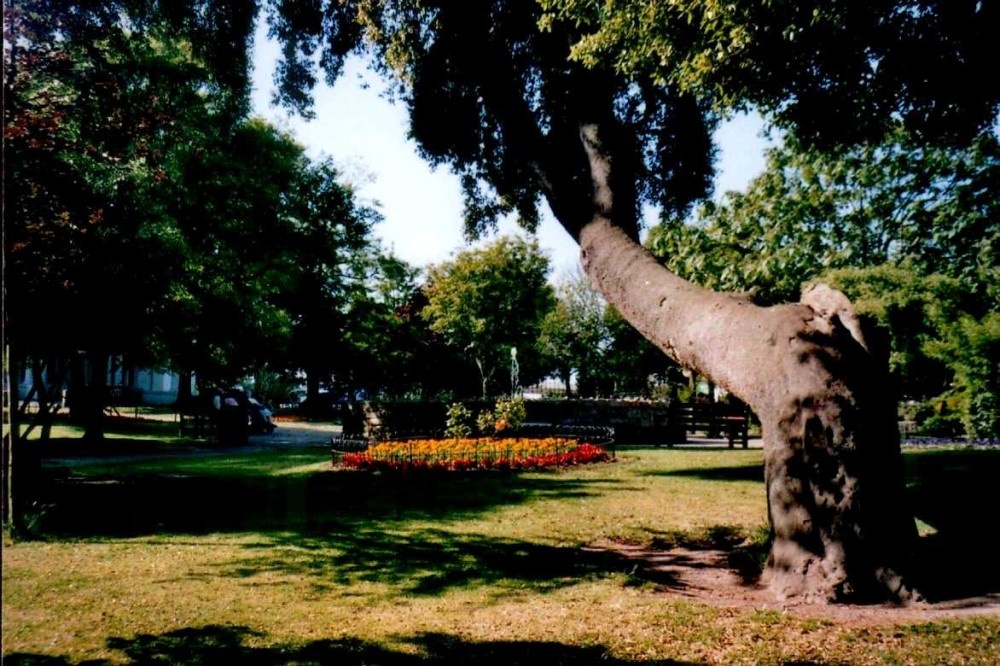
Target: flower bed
[{"x": 476, "y": 453}]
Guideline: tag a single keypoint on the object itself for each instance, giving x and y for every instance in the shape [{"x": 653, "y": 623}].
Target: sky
[{"x": 366, "y": 136}]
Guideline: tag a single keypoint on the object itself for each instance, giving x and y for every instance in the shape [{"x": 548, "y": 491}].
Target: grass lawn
[{"x": 275, "y": 558}]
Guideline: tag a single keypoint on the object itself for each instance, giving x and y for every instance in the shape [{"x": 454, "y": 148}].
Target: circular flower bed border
[{"x": 511, "y": 453}]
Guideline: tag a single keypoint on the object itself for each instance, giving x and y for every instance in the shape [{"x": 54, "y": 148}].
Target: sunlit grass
[{"x": 274, "y": 557}]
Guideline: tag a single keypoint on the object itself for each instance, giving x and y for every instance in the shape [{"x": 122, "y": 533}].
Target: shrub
[{"x": 457, "y": 423}]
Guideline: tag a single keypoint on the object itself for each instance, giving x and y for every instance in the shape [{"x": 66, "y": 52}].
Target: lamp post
[{"x": 514, "y": 371}]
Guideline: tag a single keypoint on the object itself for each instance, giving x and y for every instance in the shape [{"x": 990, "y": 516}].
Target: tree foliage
[
  {"x": 95, "y": 99},
  {"x": 909, "y": 231},
  {"x": 495, "y": 98},
  {"x": 831, "y": 72},
  {"x": 148, "y": 213},
  {"x": 942, "y": 355},
  {"x": 573, "y": 335},
  {"x": 930, "y": 208},
  {"x": 489, "y": 303}
]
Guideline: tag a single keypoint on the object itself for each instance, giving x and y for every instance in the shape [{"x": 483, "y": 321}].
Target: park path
[{"x": 288, "y": 435}]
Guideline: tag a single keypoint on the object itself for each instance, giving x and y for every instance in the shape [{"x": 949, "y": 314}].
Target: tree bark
[
  {"x": 184, "y": 395},
  {"x": 21, "y": 462},
  {"x": 833, "y": 468},
  {"x": 93, "y": 416}
]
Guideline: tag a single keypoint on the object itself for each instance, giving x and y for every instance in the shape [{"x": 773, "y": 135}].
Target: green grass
[
  {"x": 276, "y": 558},
  {"x": 123, "y": 434}
]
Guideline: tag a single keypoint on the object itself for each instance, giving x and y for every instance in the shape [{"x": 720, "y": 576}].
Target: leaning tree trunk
[{"x": 820, "y": 388}]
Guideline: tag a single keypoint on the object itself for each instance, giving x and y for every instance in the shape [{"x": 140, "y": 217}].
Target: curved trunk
[
  {"x": 831, "y": 448},
  {"x": 833, "y": 469}
]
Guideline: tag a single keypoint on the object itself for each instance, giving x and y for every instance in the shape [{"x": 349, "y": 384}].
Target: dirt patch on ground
[{"x": 706, "y": 575}]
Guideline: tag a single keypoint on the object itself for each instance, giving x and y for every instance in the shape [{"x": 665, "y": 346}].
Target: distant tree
[
  {"x": 488, "y": 301},
  {"x": 585, "y": 338},
  {"x": 971, "y": 348},
  {"x": 390, "y": 352},
  {"x": 331, "y": 249},
  {"x": 281, "y": 246},
  {"x": 573, "y": 334},
  {"x": 631, "y": 364}
]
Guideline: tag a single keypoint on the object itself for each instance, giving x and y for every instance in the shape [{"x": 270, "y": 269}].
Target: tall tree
[
  {"x": 275, "y": 244},
  {"x": 498, "y": 99},
  {"x": 489, "y": 304},
  {"x": 333, "y": 255},
  {"x": 573, "y": 334},
  {"x": 96, "y": 97},
  {"x": 585, "y": 338}
]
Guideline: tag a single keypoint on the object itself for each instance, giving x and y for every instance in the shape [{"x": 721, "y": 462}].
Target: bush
[
  {"x": 457, "y": 423},
  {"x": 507, "y": 415}
]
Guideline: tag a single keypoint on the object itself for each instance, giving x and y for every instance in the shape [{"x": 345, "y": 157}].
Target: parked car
[{"x": 261, "y": 418}]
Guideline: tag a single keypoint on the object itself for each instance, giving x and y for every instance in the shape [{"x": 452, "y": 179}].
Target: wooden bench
[{"x": 714, "y": 419}]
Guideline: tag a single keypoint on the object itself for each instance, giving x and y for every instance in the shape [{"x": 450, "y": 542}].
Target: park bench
[
  {"x": 116, "y": 397},
  {"x": 196, "y": 417},
  {"x": 713, "y": 419}
]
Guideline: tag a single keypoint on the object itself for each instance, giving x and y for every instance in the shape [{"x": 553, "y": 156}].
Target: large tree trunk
[{"x": 831, "y": 447}]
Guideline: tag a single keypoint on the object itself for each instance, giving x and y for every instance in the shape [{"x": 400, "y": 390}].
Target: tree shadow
[
  {"x": 748, "y": 472},
  {"x": 953, "y": 492},
  {"x": 429, "y": 561},
  {"x": 340, "y": 527},
  {"x": 215, "y": 644},
  {"x": 133, "y": 505}
]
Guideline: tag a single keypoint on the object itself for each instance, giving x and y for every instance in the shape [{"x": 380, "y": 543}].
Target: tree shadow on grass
[
  {"x": 749, "y": 472},
  {"x": 954, "y": 492},
  {"x": 339, "y": 528},
  {"x": 165, "y": 504},
  {"x": 229, "y": 645},
  {"x": 430, "y": 562}
]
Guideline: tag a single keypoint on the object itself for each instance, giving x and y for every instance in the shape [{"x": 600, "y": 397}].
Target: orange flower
[{"x": 488, "y": 453}]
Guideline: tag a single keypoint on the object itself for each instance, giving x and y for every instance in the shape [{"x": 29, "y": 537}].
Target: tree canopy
[
  {"x": 934, "y": 209},
  {"x": 495, "y": 98},
  {"x": 489, "y": 303},
  {"x": 147, "y": 215},
  {"x": 831, "y": 72}
]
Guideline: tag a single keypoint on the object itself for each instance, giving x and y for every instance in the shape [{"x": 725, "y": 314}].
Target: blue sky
[{"x": 366, "y": 137}]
